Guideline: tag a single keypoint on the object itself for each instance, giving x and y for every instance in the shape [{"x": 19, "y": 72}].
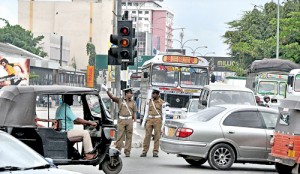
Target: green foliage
[
  {"x": 18, "y": 36},
  {"x": 33, "y": 75},
  {"x": 253, "y": 36},
  {"x": 91, "y": 52},
  {"x": 237, "y": 68}
]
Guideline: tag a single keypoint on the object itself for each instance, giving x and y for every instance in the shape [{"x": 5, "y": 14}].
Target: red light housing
[
  {"x": 124, "y": 42},
  {"x": 124, "y": 31},
  {"x": 184, "y": 132}
]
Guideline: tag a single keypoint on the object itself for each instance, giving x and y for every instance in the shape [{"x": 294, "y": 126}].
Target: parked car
[
  {"x": 222, "y": 135},
  {"x": 218, "y": 94},
  {"x": 190, "y": 109},
  {"x": 16, "y": 157}
]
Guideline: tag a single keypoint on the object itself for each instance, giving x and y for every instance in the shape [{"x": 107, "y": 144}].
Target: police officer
[
  {"x": 154, "y": 121},
  {"x": 127, "y": 118}
]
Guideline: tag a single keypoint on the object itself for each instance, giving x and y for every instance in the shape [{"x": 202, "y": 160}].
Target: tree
[
  {"x": 91, "y": 52},
  {"x": 18, "y": 36},
  {"x": 253, "y": 37}
]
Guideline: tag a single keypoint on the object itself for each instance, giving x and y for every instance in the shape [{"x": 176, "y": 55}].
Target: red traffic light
[{"x": 124, "y": 31}]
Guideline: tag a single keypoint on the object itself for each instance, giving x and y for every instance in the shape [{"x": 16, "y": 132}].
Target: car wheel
[
  {"x": 221, "y": 157},
  {"x": 198, "y": 162},
  {"x": 283, "y": 169}
]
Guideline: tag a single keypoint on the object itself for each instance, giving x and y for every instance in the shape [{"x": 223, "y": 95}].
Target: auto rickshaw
[
  {"x": 18, "y": 114},
  {"x": 286, "y": 141}
]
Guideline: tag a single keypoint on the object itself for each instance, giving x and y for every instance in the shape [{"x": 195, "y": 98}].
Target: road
[{"x": 164, "y": 164}]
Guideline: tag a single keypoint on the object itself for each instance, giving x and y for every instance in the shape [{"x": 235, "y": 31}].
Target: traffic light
[
  {"x": 113, "y": 52},
  {"x": 127, "y": 42}
]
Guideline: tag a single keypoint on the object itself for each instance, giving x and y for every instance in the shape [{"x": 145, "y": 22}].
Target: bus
[
  {"x": 179, "y": 79},
  {"x": 135, "y": 81}
]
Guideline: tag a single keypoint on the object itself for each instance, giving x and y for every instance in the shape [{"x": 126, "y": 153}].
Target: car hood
[{"x": 40, "y": 171}]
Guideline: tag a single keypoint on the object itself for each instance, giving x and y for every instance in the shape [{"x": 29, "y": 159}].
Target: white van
[{"x": 217, "y": 94}]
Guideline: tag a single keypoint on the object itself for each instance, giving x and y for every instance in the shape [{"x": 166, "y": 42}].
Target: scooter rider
[{"x": 127, "y": 118}]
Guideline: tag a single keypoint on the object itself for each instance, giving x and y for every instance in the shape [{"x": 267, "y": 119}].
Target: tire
[
  {"x": 221, "y": 157},
  {"x": 283, "y": 169},
  {"x": 198, "y": 162},
  {"x": 109, "y": 169}
]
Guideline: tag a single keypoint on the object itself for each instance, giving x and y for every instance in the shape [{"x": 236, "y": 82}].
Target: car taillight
[
  {"x": 291, "y": 146},
  {"x": 112, "y": 133},
  {"x": 184, "y": 132}
]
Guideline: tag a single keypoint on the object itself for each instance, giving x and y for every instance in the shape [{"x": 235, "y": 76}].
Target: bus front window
[
  {"x": 165, "y": 75},
  {"x": 267, "y": 88},
  {"x": 193, "y": 77}
]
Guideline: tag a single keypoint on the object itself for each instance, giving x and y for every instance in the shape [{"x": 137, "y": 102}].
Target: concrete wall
[{"x": 71, "y": 20}]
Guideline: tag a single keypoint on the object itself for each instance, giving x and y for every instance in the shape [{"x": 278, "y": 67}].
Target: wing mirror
[{"x": 146, "y": 75}]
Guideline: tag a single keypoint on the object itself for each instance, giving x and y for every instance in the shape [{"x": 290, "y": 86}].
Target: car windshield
[
  {"x": 165, "y": 75},
  {"x": 207, "y": 114},
  {"x": 231, "y": 97},
  {"x": 15, "y": 153},
  {"x": 193, "y": 77},
  {"x": 94, "y": 105},
  {"x": 267, "y": 87}
]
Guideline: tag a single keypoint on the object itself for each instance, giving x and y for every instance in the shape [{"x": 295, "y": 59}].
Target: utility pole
[{"x": 277, "y": 39}]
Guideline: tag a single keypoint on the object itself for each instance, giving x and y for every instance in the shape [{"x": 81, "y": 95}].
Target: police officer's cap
[
  {"x": 127, "y": 90},
  {"x": 155, "y": 91}
]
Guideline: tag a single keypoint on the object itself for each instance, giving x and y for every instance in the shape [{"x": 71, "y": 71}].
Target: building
[
  {"x": 151, "y": 21},
  {"x": 44, "y": 71},
  {"x": 78, "y": 21},
  {"x": 52, "y": 46}
]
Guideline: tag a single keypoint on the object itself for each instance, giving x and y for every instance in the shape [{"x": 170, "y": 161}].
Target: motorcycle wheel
[{"x": 108, "y": 168}]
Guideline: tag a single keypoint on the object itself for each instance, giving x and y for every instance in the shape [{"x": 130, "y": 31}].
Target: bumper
[
  {"x": 286, "y": 161},
  {"x": 188, "y": 148}
]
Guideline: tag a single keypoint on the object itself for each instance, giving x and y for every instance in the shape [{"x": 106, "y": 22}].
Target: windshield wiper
[
  {"x": 10, "y": 168},
  {"x": 46, "y": 166}
]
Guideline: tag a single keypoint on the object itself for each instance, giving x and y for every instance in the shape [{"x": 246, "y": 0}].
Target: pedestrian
[
  {"x": 153, "y": 122},
  {"x": 127, "y": 118},
  {"x": 267, "y": 101},
  {"x": 37, "y": 101}
]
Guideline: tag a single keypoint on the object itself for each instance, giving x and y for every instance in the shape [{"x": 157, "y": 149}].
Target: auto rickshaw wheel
[
  {"x": 112, "y": 165},
  {"x": 283, "y": 169}
]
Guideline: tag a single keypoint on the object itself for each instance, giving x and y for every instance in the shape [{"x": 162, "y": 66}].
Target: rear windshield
[
  {"x": 231, "y": 97},
  {"x": 207, "y": 114}
]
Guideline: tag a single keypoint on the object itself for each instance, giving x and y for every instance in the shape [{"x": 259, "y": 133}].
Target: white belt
[
  {"x": 156, "y": 116},
  {"x": 125, "y": 118}
]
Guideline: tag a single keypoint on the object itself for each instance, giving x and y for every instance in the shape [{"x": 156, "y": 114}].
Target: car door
[
  {"x": 246, "y": 129},
  {"x": 270, "y": 119}
]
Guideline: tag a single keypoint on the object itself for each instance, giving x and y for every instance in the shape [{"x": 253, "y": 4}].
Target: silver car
[{"x": 222, "y": 135}]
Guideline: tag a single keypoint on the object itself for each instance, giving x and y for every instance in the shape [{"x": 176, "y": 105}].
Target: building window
[
  {"x": 146, "y": 12},
  {"x": 140, "y": 19},
  {"x": 133, "y": 19},
  {"x": 129, "y": 4},
  {"x": 146, "y": 19},
  {"x": 133, "y": 12},
  {"x": 140, "y": 12},
  {"x": 136, "y": 4}
]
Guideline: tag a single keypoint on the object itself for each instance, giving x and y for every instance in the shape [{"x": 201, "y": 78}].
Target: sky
[{"x": 204, "y": 20}]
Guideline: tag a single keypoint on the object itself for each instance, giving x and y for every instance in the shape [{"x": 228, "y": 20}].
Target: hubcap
[{"x": 222, "y": 156}]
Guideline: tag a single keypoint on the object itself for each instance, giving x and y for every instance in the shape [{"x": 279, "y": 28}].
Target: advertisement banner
[
  {"x": 14, "y": 71},
  {"x": 90, "y": 77}
]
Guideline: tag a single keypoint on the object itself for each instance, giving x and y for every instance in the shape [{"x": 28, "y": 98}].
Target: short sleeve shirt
[
  {"x": 158, "y": 105},
  {"x": 123, "y": 111},
  {"x": 62, "y": 110},
  {"x": 10, "y": 70}
]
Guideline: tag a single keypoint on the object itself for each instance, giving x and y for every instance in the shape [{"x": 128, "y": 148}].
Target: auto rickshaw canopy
[
  {"x": 289, "y": 117},
  {"x": 17, "y": 103}
]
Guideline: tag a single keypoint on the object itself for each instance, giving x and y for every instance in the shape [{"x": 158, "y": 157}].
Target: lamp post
[
  {"x": 277, "y": 38},
  {"x": 194, "y": 50},
  {"x": 183, "y": 43}
]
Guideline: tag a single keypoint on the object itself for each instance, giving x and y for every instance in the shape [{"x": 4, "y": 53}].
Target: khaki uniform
[
  {"x": 153, "y": 123},
  {"x": 125, "y": 126}
]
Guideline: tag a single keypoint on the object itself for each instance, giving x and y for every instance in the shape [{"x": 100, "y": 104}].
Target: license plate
[{"x": 171, "y": 132}]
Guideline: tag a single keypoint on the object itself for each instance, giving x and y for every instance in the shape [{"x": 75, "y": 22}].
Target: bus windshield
[
  {"x": 267, "y": 87},
  {"x": 193, "y": 77},
  {"x": 165, "y": 75}
]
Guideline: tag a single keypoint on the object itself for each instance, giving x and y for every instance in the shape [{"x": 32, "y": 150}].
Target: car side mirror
[
  {"x": 204, "y": 102},
  {"x": 146, "y": 75},
  {"x": 290, "y": 81},
  {"x": 253, "y": 85}
]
